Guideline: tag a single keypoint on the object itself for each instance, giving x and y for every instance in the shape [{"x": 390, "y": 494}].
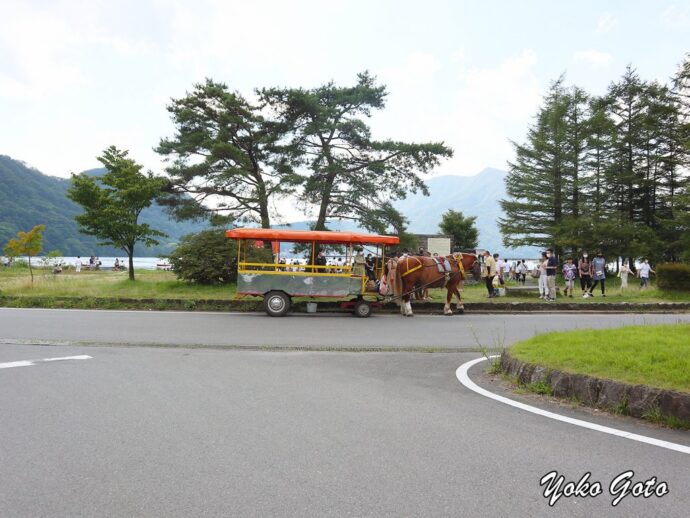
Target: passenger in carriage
[
  {"x": 370, "y": 266},
  {"x": 320, "y": 261},
  {"x": 359, "y": 264}
]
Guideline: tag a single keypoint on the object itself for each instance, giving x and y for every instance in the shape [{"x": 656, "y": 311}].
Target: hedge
[{"x": 673, "y": 276}]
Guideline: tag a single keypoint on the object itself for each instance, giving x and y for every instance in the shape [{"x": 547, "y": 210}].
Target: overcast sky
[{"x": 78, "y": 76}]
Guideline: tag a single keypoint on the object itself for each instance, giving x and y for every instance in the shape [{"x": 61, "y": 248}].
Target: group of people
[
  {"x": 95, "y": 264},
  {"x": 495, "y": 272},
  {"x": 361, "y": 265},
  {"x": 592, "y": 273}
]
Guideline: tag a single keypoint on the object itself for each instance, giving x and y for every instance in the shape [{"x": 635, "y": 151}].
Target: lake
[{"x": 142, "y": 263}]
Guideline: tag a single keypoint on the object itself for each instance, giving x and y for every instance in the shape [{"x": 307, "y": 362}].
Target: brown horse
[{"x": 411, "y": 273}]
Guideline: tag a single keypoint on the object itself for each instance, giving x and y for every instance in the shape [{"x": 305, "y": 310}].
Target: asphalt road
[
  {"x": 461, "y": 332},
  {"x": 140, "y": 431}
]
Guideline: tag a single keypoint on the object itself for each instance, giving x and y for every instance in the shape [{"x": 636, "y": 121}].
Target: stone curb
[
  {"x": 634, "y": 400},
  {"x": 435, "y": 308}
]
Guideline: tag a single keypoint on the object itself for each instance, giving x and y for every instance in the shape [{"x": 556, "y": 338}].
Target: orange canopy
[{"x": 321, "y": 236}]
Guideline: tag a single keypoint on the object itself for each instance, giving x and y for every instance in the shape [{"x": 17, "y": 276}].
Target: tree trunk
[
  {"x": 263, "y": 201},
  {"x": 130, "y": 256},
  {"x": 31, "y": 271},
  {"x": 328, "y": 187}
]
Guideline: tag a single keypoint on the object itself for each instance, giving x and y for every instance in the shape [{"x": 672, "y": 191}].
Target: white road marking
[
  {"x": 28, "y": 363},
  {"x": 9, "y": 365},
  {"x": 461, "y": 374}
]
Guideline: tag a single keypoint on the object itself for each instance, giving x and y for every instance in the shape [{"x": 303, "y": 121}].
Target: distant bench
[{"x": 522, "y": 289}]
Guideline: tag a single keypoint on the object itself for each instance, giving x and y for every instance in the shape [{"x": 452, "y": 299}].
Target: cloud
[
  {"x": 607, "y": 23},
  {"x": 474, "y": 110},
  {"x": 676, "y": 17},
  {"x": 37, "y": 53},
  {"x": 592, "y": 57},
  {"x": 492, "y": 106}
]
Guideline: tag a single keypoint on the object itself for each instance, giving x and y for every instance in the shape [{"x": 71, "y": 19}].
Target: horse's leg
[
  {"x": 449, "y": 297},
  {"x": 405, "y": 306},
  {"x": 460, "y": 306}
]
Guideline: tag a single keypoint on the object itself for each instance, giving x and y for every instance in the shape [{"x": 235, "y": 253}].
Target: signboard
[{"x": 438, "y": 245}]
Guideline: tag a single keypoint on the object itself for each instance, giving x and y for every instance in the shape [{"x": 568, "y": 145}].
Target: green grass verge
[
  {"x": 657, "y": 356},
  {"x": 164, "y": 285},
  {"x": 148, "y": 285}
]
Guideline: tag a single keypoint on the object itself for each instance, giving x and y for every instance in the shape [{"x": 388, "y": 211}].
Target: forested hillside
[{"x": 28, "y": 198}]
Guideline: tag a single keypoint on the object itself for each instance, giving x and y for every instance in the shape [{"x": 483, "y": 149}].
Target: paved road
[
  {"x": 203, "y": 432},
  {"x": 464, "y": 332},
  {"x": 140, "y": 431}
]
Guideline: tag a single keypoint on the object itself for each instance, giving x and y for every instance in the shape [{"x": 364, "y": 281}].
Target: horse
[{"x": 408, "y": 274}]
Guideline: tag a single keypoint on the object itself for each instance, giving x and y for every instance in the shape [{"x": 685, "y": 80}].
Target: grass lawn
[
  {"x": 149, "y": 284},
  {"x": 164, "y": 285},
  {"x": 658, "y": 356}
]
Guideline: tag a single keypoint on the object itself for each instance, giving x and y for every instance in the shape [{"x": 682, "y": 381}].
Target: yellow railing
[{"x": 296, "y": 269}]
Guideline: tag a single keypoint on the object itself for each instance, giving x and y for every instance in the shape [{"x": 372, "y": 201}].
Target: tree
[
  {"x": 537, "y": 184},
  {"x": 112, "y": 203},
  {"x": 227, "y": 158},
  {"x": 463, "y": 230},
  {"x": 208, "y": 257},
  {"x": 605, "y": 173},
  {"x": 351, "y": 175},
  {"x": 27, "y": 244}
]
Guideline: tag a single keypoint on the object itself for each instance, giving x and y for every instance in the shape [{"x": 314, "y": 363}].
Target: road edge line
[{"x": 463, "y": 377}]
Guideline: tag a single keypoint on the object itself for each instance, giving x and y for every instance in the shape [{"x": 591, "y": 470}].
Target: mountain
[
  {"x": 28, "y": 198},
  {"x": 476, "y": 195}
]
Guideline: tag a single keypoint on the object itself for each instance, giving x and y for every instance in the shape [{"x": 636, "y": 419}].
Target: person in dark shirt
[
  {"x": 551, "y": 267},
  {"x": 370, "y": 267}
]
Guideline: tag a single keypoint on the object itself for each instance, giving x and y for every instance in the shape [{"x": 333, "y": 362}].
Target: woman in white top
[
  {"x": 543, "y": 284},
  {"x": 623, "y": 274}
]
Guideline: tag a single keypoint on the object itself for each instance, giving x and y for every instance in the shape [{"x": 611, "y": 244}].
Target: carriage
[{"x": 279, "y": 277}]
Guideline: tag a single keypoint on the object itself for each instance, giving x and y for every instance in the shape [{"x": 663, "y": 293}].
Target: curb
[
  {"x": 634, "y": 400},
  {"x": 254, "y": 305}
]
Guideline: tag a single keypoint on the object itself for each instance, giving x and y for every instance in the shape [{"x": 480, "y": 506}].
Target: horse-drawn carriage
[{"x": 282, "y": 278}]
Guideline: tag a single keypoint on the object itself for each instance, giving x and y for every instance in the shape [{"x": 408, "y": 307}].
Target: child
[{"x": 569, "y": 275}]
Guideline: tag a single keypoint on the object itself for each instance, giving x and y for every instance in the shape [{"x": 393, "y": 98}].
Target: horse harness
[{"x": 445, "y": 269}]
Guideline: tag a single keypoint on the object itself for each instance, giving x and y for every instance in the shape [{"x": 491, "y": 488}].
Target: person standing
[
  {"x": 599, "y": 273},
  {"x": 489, "y": 272},
  {"x": 543, "y": 283},
  {"x": 500, "y": 268},
  {"x": 521, "y": 272},
  {"x": 551, "y": 267},
  {"x": 623, "y": 274},
  {"x": 77, "y": 264},
  {"x": 643, "y": 272},
  {"x": 569, "y": 274},
  {"x": 585, "y": 269}
]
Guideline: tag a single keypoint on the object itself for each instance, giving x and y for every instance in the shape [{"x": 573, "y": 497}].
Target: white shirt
[
  {"x": 644, "y": 270},
  {"x": 501, "y": 266}
]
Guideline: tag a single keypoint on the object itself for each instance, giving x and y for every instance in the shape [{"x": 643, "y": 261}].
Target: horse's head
[{"x": 470, "y": 263}]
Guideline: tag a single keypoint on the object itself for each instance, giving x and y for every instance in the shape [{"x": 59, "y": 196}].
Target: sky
[{"x": 79, "y": 76}]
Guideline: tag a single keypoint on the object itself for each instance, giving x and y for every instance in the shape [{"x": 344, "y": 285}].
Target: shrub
[
  {"x": 673, "y": 276},
  {"x": 208, "y": 257}
]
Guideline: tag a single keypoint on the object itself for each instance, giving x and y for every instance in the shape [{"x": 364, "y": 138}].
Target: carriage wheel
[
  {"x": 276, "y": 303},
  {"x": 362, "y": 308}
]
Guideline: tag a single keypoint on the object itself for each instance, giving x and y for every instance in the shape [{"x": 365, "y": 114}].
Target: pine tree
[{"x": 541, "y": 183}]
